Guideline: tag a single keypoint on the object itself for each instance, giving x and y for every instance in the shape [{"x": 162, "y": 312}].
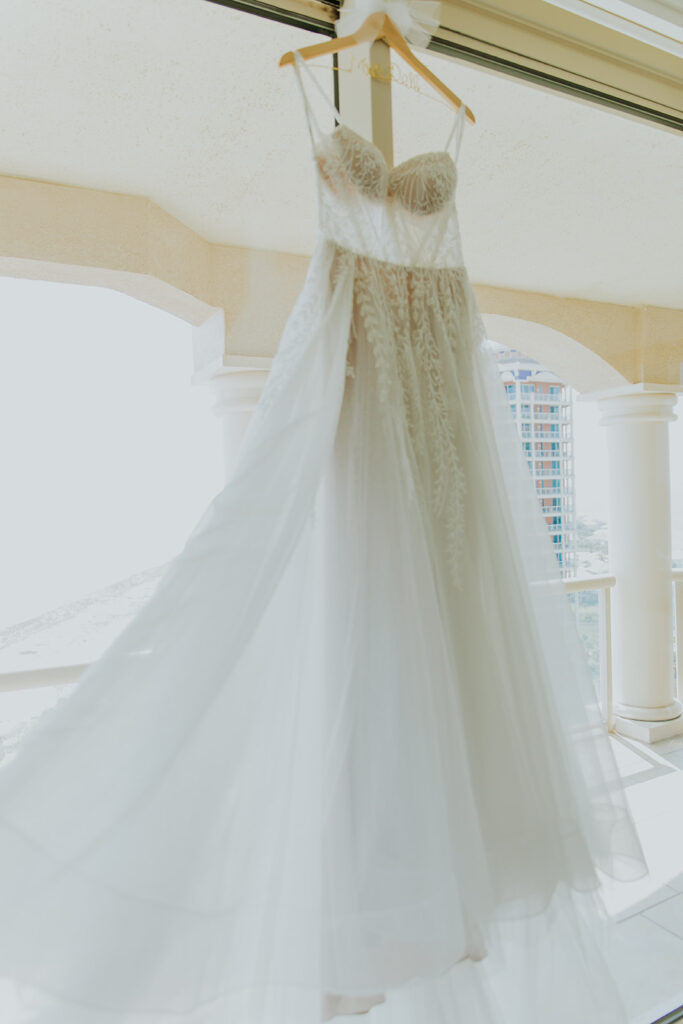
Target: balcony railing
[
  {"x": 603, "y": 585},
  {"x": 601, "y": 665}
]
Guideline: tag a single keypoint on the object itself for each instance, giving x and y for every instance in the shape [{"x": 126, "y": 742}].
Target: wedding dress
[{"x": 348, "y": 758}]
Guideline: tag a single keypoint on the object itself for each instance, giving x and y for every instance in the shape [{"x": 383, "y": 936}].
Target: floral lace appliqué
[{"x": 413, "y": 317}]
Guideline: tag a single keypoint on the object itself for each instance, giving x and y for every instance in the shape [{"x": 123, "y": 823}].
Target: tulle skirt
[{"x": 317, "y": 775}]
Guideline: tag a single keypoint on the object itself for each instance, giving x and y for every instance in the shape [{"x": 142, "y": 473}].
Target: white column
[
  {"x": 236, "y": 392},
  {"x": 637, "y": 422}
]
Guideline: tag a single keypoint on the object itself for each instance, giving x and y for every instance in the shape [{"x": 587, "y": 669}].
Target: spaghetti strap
[
  {"x": 456, "y": 132},
  {"x": 314, "y": 128}
]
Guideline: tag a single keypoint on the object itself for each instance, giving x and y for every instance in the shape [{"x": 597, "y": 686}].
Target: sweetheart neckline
[{"x": 328, "y": 136}]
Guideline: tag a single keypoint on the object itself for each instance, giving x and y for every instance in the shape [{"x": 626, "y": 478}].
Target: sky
[{"x": 109, "y": 454}]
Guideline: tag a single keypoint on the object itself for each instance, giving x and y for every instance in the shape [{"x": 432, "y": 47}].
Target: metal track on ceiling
[
  {"x": 273, "y": 12},
  {"x": 472, "y": 50}
]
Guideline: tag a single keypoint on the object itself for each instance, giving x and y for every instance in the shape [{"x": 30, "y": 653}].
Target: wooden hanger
[{"x": 379, "y": 26}]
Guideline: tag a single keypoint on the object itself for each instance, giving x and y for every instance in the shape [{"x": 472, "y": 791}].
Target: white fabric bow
[{"x": 415, "y": 19}]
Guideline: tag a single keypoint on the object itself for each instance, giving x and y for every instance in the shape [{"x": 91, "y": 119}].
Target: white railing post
[
  {"x": 678, "y": 619},
  {"x": 603, "y": 584},
  {"x": 605, "y": 609}
]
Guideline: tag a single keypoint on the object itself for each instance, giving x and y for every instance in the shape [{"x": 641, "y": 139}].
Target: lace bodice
[
  {"x": 403, "y": 215},
  {"x": 422, "y": 185}
]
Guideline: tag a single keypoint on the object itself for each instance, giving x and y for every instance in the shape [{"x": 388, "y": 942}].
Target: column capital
[
  {"x": 642, "y": 387},
  {"x": 224, "y": 365},
  {"x": 645, "y": 404},
  {"x": 237, "y": 388}
]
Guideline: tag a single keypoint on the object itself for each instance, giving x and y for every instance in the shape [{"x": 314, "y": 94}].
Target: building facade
[{"x": 543, "y": 409}]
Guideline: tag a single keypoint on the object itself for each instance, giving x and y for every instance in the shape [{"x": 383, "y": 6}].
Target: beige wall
[
  {"x": 59, "y": 233},
  {"x": 641, "y": 343}
]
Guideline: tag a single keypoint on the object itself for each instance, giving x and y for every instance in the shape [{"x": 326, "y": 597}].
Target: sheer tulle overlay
[{"x": 348, "y": 757}]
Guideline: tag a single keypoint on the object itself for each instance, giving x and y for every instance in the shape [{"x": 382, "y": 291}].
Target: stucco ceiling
[{"x": 182, "y": 101}]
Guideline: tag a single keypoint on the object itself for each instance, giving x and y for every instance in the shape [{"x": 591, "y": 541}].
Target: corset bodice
[
  {"x": 423, "y": 184},
  {"x": 405, "y": 214}
]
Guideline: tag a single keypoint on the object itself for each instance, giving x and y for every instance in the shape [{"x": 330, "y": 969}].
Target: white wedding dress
[{"x": 348, "y": 757}]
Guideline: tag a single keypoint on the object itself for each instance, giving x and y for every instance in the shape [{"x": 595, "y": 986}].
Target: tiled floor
[{"x": 649, "y": 912}]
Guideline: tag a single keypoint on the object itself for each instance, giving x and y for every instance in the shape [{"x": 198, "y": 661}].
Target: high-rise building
[{"x": 543, "y": 405}]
